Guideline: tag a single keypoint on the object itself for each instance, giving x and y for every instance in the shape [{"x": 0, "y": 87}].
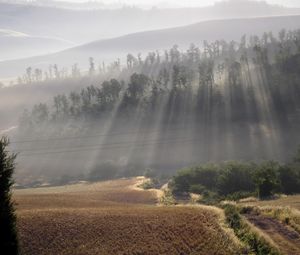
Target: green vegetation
[
  {"x": 149, "y": 184},
  {"x": 236, "y": 180},
  {"x": 8, "y": 232},
  {"x": 167, "y": 198},
  {"x": 285, "y": 215},
  {"x": 245, "y": 232}
]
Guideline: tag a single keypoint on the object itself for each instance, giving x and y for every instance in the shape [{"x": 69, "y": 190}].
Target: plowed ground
[
  {"x": 113, "y": 218},
  {"x": 286, "y": 239}
]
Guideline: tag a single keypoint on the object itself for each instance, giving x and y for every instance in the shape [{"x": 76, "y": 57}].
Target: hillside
[
  {"x": 16, "y": 45},
  {"x": 114, "y": 218},
  {"x": 63, "y": 23},
  {"x": 110, "y": 49}
]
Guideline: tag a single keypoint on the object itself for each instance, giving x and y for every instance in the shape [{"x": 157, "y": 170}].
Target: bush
[
  {"x": 197, "y": 189},
  {"x": 204, "y": 175},
  {"x": 237, "y": 180},
  {"x": 181, "y": 182},
  {"x": 233, "y": 217},
  {"x": 257, "y": 243},
  {"x": 266, "y": 179},
  {"x": 236, "y": 196},
  {"x": 8, "y": 232},
  {"x": 102, "y": 172},
  {"x": 131, "y": 171},
  {"x": 149, "y": 173},
  {"x": 289, "y": 178},
  {"x": 150, "y": 184},
  {"x": 210, "y": 198},
  {"x": 236, "y": 177}
]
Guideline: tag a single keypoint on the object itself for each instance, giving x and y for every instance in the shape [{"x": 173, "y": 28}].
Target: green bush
[
  {"x": 197, "y": 189},
  {"x": 257, "y": 244},
  {"x": 236, "y": 180},
  {"x": 266, "y": 179},
  {"x": 150, "y": 184},
  {"x": 210, "y": 198},
  {"x": 236, "y": 177},
  {"x": 236, "y": 196},
  {"x": 8, "y": 232}
]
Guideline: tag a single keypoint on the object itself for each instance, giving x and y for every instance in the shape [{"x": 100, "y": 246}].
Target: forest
[{"x": 219, "y": 101}]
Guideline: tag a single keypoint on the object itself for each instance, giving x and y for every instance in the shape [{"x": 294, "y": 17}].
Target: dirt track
[{"x": 287, "y": 240}]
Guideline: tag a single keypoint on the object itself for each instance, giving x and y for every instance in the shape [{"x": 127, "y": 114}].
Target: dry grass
[
  {"x": 286, "y": 215},
  {"x": 84, "y": 195},
  {"x": 284, "y": 201},
  {"x": 113, "y": 218}
]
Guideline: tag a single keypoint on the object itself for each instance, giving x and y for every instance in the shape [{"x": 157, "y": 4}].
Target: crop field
[{"x": 115, "y": 218}]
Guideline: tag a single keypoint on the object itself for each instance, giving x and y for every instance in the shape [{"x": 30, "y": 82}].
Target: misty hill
[
  {"x": 227, "y": 101},
  {"x": 105, "y": 23},
  {"x": 111, "y": 49},
  {"x": 14, "y": 44},
  {"x": 51, "y": 24}
]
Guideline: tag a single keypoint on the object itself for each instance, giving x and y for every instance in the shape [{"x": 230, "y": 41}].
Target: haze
[
  {"x": 178, "y": 3},
  {"x": 138, "y": 73}
]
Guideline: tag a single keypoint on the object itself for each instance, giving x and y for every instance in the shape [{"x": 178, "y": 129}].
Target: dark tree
[
  {"x": 8, "y": 232},
  {"x": 266, "y": 179}
]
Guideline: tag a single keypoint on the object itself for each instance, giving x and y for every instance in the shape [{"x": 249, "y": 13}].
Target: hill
[
  {"x": 42, "y": 20},
  {"x": 113, "y": 218},
  {"x": 110, "y": 49},
  {"x": 44, "y": 27},
  {"x": 16, "y": 45}
]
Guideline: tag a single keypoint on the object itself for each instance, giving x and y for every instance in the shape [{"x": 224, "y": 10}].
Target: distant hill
[
  {"x": 14, "y": 44},
  {"x": 50, "y": 24},
  {"x": 81, "y": 26},
  {"x": 110, "y": 49}
]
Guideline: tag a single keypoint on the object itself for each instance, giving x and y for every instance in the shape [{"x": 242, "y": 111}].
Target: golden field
[{"x": 115, "y": 217}]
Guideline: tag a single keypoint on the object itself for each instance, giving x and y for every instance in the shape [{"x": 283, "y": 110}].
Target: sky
[{"x": 176, "y": 3}]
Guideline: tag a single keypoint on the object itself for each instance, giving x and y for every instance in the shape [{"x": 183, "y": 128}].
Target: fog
[{"x": 125, "y": 90}]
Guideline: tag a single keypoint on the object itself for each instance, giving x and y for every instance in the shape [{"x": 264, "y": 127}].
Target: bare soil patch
[{"x": 287, "y": 240}]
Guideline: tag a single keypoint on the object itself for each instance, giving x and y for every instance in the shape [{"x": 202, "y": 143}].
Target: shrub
[
  {"x": 210, "y": 198},
  {"x": 149, "y": 173},
  {"x": 289, "y": 178},
  {"x": 8, "y": 233},
  {"x": 102, "y": 172},
  {"x": 236, "y": 177},
  {"x": 197, "y": 189},
  {"x": 256, "y": 242},
  {"x": 150, "y": 184},
  {"x": 266, "y": 179},
  {"x": 236, "y": 196}
]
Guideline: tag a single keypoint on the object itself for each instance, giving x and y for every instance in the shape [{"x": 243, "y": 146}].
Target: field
[
  {"x": 115, "y": 218},
  {"x": 290, "y": 201},
  {"x": 278, "y": 219}
]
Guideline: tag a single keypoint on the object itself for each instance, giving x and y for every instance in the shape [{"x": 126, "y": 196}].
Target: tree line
[
  {"x": 238, "y": 94},
  {"x": 236, "y": 180}
]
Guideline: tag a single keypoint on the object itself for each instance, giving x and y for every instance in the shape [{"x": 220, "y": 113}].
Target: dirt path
[{"x": 287, "y": 240}]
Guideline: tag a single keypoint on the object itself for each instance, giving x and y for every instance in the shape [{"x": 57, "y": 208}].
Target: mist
[
  {"x": 149, "y": 127},
  {"x": 128, "y": 89}
]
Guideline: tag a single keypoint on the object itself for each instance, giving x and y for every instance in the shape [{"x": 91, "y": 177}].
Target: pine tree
[{"x": 8, "y": 232}]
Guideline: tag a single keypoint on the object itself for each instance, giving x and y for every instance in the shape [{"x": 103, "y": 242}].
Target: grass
[
  {"x": 284, "y": 201},
  {"x": 278, "y": 225},
  {"x": 254, "y": 239},
  {"x": 285, "y": 215},
  {"x": 115, "y": 218}
]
